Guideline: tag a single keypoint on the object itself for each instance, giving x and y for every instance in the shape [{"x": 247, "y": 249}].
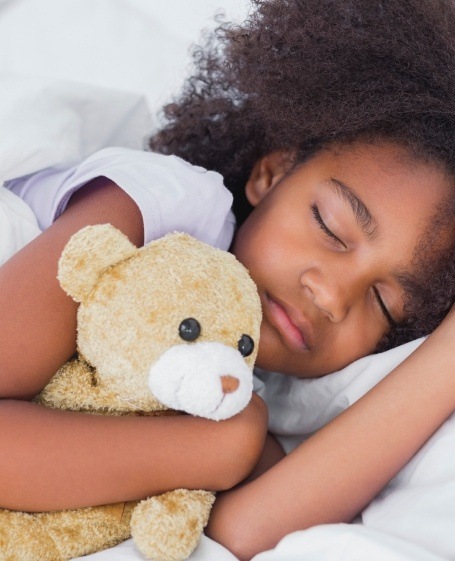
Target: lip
[{"x": 294, "y": 329}]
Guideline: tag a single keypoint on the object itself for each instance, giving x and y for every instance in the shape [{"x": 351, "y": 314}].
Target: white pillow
[
  {"x": 299, "y": 407},
  {"x": 44, "y": 122},
  {"x": 47, "y": 122},
  {"x": 137, "y": 45}
]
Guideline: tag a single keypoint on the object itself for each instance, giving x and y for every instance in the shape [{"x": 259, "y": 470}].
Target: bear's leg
[
  {"x": 62, "y": 535},
  {"x": 168, "y": 527}
]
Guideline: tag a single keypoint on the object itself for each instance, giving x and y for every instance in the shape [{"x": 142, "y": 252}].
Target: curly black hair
[{"x": 299, "y": 75}]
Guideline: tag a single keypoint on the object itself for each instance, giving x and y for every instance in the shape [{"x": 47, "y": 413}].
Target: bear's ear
[{"x": 89, "y": 252}]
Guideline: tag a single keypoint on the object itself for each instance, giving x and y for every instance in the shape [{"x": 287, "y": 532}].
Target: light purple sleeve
[{"x": 171, "y": 194}]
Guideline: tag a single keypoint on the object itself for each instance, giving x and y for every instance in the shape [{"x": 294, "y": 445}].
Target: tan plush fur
[{"x": 132, "y": 302}]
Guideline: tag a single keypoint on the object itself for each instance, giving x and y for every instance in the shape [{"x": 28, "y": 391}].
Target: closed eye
[
  {"x": 384, "y": 308},
  {"x": 317, "y": 216}
]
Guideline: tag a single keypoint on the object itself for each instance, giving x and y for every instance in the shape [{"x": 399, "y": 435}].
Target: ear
[
  {"x": 266, "y": 173},
  {"x": 87, "y": 254}
]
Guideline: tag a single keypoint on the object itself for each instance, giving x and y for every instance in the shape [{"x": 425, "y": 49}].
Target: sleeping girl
[{"x": 332, "y": 123}]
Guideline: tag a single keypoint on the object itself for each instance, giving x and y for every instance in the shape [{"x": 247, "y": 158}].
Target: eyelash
[
  {"x": 385, "y": 311},
  {"x": 317, "y": 216},
  {"x": 322, "y": 225}
]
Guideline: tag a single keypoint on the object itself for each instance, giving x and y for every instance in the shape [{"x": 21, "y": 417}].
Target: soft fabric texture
[
  {"x": 48, "y": 122},
  {"x": 18, "y": 224},
  {"x": 299, "y": 407},
  {"x": 171, "y": 194},
  {"x": 138, "y": 46}
]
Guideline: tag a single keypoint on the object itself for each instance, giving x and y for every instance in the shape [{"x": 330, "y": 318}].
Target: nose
[
  {"x": 331, "y": 294},
  {"x": 229, "y": 384}
]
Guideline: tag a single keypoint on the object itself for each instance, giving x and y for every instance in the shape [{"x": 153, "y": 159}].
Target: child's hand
[{"x": 247, "y": 432}]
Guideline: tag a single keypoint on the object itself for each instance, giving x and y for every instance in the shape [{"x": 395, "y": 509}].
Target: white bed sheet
[
  {"x": 207, "y": 550},
  {"x": 122, "y": 55}
]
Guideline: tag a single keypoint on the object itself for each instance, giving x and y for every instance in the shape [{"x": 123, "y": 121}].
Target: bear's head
[{"x": 176, "y": 322}]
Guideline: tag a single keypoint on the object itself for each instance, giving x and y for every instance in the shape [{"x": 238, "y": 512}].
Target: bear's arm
[{"x": 75, "y": 387}]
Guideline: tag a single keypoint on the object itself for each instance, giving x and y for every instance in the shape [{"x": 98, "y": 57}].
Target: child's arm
[
  {"x": 338, "y": 471},
  {"x": 38, "y": 319},
  {"x": 57, "y": 459}
]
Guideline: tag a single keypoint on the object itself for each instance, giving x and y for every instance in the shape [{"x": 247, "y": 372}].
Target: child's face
[{"x": 325, "y": 245}]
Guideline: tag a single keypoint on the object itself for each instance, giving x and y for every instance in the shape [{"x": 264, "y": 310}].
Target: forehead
[
  {"x": 401, "y": 193},
  {"x": 388, "y": 179}
]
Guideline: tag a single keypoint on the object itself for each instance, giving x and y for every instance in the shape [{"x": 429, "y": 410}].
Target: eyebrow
[
  {"x": 371, "y": 229},
  {"x": 362, "y": 215}
]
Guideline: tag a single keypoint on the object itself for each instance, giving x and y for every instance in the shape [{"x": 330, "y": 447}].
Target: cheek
[
  {"x": 351, "y": 343},
  {"x": 247, "y": 243},
  {"x": 261, "y": 241}
]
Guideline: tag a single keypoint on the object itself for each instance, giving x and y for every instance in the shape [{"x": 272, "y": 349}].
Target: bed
[{"x": 69, "y": 69}]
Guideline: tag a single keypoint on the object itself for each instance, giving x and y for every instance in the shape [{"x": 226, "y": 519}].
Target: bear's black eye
[
  {"x": 189, "y": 329},
  {"x": 245, "y": 345}
]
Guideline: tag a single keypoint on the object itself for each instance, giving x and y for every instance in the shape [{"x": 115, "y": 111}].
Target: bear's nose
[{"x": 229, "y": 384}]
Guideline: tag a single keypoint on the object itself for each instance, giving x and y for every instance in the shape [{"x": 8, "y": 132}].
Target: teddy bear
[{"x": 168, "y": 328}]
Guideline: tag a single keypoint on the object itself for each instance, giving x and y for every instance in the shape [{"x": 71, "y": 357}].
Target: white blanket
[{"x": 133, "y": 45}]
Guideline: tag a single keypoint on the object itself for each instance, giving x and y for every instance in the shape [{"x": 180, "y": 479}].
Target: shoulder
[{"x": 172, "y": 194}]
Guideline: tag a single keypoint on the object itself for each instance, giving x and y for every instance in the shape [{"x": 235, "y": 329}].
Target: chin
[
  {"x": 271, "y": 364},
  {"x": 269, "y": 361}
]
